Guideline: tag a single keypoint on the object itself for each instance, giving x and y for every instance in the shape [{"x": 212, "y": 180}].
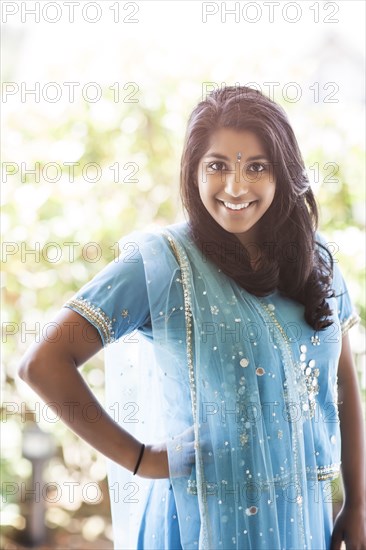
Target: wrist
[
  {"x": 139, "y": 458},
  {"x": 154, "y": 462}
]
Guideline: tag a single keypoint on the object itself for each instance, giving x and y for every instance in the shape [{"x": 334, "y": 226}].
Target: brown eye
[
  {"x": 257, "y": 167},
  {"x": 216, "y": 166}
]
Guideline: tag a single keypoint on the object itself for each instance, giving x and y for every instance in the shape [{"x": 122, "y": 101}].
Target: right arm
[{"x": 50, "y": 367}]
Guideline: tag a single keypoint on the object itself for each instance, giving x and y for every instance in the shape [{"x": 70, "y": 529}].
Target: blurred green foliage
[{"x": 149, "y": 135}]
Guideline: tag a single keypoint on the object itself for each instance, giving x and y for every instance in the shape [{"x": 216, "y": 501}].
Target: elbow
[
  {"x": 30, "y": 366},
  {"x": 25, "y": 370}
]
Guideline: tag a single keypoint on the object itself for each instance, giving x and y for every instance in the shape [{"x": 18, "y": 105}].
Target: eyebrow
[{"x": 224, "y": 157}]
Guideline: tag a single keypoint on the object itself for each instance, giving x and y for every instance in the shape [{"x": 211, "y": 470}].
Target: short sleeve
[
  {"x": 115, "y": 301},
  {"x": 347, "y": 314}
]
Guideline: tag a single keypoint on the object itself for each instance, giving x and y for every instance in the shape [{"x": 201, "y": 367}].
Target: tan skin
[{"x": 350, "y": 524}]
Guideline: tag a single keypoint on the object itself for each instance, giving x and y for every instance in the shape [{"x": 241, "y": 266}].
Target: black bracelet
[{"x": 139, "y": 459}]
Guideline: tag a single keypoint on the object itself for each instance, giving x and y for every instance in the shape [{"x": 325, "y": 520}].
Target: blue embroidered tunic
[{"x": 253, "y": 379}]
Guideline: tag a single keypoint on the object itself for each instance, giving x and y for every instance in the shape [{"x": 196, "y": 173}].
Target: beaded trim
[
  {"x": 188, "y": 317},
  {"x": 202, "y": 502},
  {"x": 322, "y": 473},
  {"x": 288, "y": 363},
  {"x": 95, "y": 315},
  {"x": 306, "y": 378},
  {"x": 328, "y": 472},
  {"x": 350, "y": 322}
]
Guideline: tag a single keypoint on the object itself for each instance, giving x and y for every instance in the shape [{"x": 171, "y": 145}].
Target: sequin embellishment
[
  {"x": 95, "y": 315},
  {"x": 310, "y": 376},
  {"x": 315, "y": 340},
  {"x": 251, "y": 511}
]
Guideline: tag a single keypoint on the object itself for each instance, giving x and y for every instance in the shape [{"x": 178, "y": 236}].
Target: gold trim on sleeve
[
  {"x": 95, "y": 315},
  {"x": 328, "y": 472},
  {"x": 352, "y": 320}
]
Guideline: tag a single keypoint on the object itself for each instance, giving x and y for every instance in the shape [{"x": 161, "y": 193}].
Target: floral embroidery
[{"x": 315, "y": 340}]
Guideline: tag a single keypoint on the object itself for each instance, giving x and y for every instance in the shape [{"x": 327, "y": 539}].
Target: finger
[
  {"x": 204, "y": 430},
  {"x": 190, "y": 458},
  {"x": 336, "y": 541},
  {"x": 189, "y": 448},
  {"x": 188, "y": 434}
]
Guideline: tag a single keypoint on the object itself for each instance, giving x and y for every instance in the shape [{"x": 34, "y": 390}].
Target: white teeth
[{"x": 236, "y": 206}]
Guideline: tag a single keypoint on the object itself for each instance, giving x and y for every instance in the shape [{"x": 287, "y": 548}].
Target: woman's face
[{"x": 236, "y": 181}]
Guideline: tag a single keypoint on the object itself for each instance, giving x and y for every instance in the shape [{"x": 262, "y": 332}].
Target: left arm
[{"x": 350, "y": 524}]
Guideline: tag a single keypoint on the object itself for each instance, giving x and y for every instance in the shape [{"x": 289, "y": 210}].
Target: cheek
[
  {"x": 200, "y": 188},
  {"x": 200, "y": 174},
  {"x": 201, "y": 184},
  {"x": 271, "y": 191},
  {"x": 204, "y": 184},
  {"x": 203, "y": 192}
]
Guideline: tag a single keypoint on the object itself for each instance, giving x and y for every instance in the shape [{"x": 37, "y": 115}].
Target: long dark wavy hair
[{"x": 289, "y": 261}]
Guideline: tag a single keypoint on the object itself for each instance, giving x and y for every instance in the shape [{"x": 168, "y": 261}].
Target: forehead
[{"x": 229, "y": 141}]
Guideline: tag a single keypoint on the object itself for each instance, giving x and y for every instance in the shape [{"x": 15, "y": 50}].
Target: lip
[{"x": 239, "y": 210}]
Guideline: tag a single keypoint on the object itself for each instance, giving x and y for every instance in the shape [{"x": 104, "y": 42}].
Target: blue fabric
[
  {"x": 159, "y": 525},
  {"x": 260, "y": 391},
  {"x": 119, "y": 291}
]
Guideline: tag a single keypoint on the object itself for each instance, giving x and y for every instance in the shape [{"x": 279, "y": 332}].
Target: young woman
[{"x": 248, "y": 316}]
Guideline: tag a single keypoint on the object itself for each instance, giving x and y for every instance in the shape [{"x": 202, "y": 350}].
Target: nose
[{"x": 236, "y": 185}]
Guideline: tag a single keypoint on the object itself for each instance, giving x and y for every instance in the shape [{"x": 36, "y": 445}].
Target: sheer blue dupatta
[
  {"x": 227, "y": 383},
  {"x": 254, "y": 482},
  {"x": 147, "y": 390},
  {"x": 132, "y": 399}
]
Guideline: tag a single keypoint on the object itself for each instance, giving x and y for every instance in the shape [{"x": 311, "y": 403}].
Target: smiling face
[{"x": 235, "y": 181}]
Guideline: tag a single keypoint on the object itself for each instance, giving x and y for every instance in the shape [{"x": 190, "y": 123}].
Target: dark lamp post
[{"x": 38, "y": 447}]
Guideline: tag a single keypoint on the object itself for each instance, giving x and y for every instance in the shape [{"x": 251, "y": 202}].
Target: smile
[{"x": 241, "y": 206}]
